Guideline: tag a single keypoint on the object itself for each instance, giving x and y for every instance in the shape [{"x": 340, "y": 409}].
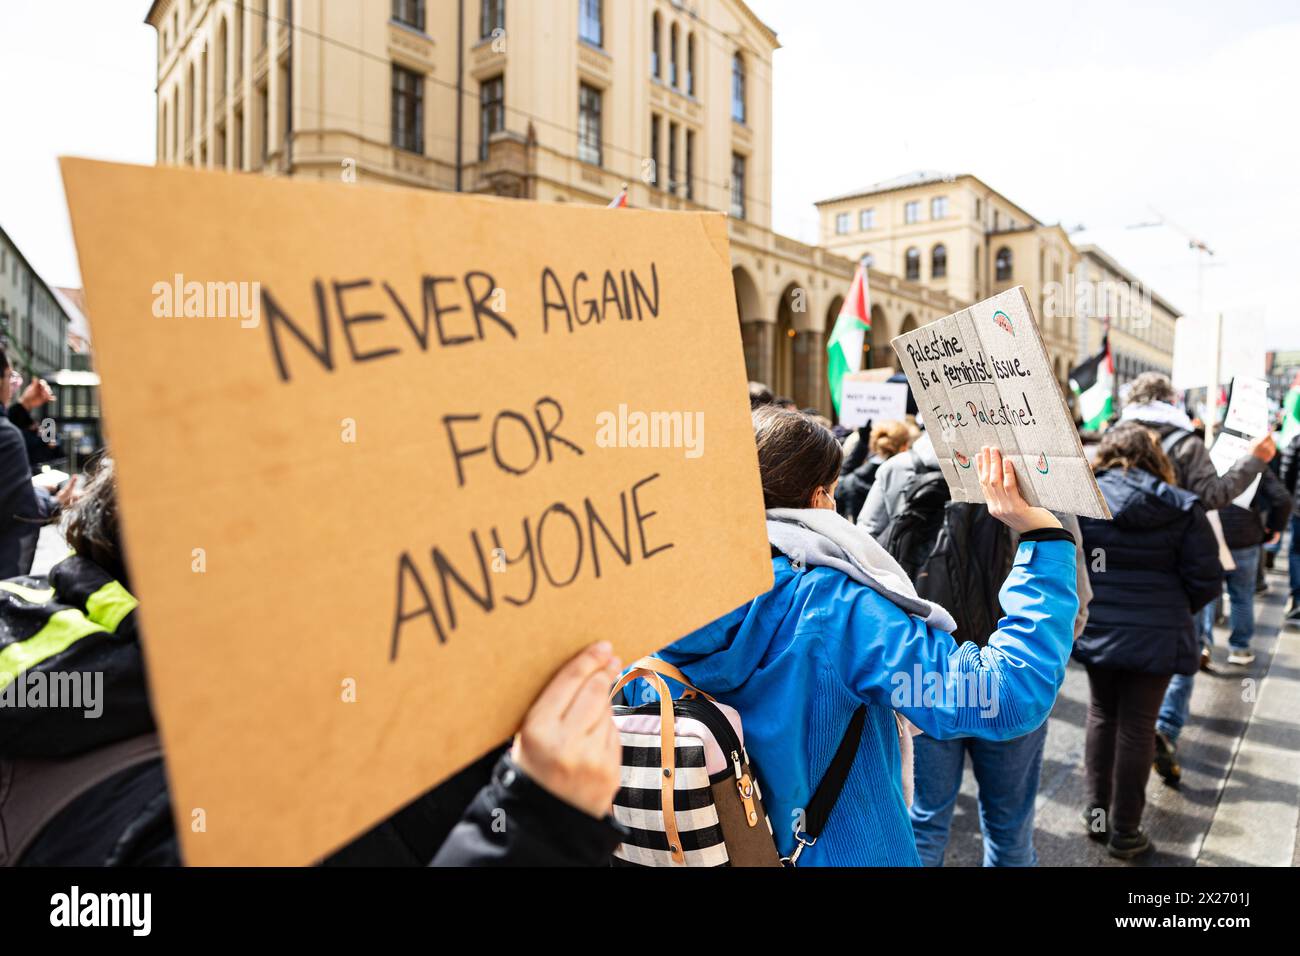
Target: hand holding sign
[
  {"x": 569, "y": 744},
  {"x": 997, "y": 477}
]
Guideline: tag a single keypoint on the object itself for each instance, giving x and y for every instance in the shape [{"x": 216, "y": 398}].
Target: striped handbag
[{"x": 689, "y": 796}]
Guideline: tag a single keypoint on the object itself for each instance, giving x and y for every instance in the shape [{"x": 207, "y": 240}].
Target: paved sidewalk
[{"x": 1240, "y": 752}]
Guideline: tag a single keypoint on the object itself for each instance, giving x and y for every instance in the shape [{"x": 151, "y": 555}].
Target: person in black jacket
[
  {"x": 85, "y": 785},
  {"x": 24, "y": 508},
  {"x": 1244, "y": 530},
  {"x": 22, "y": 414},
  {"x": 1151, "y": 568},
  {"x": 876, "y": 444}
]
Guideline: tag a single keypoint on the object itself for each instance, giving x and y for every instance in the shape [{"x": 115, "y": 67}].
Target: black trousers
[{"x": 1121, "y": 742}]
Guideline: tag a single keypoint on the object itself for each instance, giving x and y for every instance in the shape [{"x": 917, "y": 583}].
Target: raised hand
[{"x": 1002, "y": 494}]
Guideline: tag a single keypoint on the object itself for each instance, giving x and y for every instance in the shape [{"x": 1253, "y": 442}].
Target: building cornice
[{"x": 758, "y": 24}]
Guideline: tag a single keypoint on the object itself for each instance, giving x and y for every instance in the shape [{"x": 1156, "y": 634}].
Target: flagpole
[
  {"x": 1110, "y": 361},
  {"x": 871, "y": 353},
  {"x": 1212, "y": 393}
]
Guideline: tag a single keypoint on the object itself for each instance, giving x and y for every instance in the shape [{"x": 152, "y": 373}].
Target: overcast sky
[
  {"x": 1082, "y": 113},
  {"x": 1086, "y": 114}
]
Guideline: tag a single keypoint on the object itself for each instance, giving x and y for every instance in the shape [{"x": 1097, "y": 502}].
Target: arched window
[
  {"x": 690, "y": 64},
  {"x": 673, "y": 73},
  {"x": 656, "y": 29},
  {"x": 939, "y": 261},
  {"x": 738, "y": 88},
  {"x": 1003, "y": 264},
  {"x": 914, "y": 263}
]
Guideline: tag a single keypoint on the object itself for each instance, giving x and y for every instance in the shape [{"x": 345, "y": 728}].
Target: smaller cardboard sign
[
  {"x": 1248, "y": 408},
  {"x": 982, "y": 377},
  {"x": 863, "y": 402},
  {"x": 1227, "y": 451}
]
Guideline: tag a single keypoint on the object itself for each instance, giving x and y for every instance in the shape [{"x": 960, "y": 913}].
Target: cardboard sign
[
  {"x": 982, "y": 377},
  {"x": 1229, "y": 449},
  {"x": 862, "y": 402},
  {"x": 373, "y": 502},
  {"x": 1248, "y": 407}
]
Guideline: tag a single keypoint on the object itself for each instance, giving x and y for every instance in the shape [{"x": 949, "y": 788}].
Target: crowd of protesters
[{"x": 877, "y": 573}]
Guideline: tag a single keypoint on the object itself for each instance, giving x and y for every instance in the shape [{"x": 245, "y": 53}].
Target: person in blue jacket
[
  {"x": 842, "y": 627},
  {"x": 1153, "y": 567}
]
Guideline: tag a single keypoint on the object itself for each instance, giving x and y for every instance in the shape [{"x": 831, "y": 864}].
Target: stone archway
[
  {"x": 878, "y": 350},
  {"x": 909, "y": 323},
  {"x": 755, "y": 331},
  {"x": 783, "y": 351}
]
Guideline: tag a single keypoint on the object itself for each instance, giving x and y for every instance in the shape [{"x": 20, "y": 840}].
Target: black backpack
[{"x": 955, "y": 552}]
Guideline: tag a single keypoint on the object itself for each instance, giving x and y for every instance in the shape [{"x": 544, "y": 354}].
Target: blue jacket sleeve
[{"x": 1003, "y": 690}]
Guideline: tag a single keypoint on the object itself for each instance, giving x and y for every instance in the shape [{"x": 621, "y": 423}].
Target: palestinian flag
[
  {"x": 844, "y": 348},
  {"x": 1290, "y": 414},
  {"x": 1094, "y": 384}
]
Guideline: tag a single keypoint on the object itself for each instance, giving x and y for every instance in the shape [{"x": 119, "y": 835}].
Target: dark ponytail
[{"x": 796, "y": 456}]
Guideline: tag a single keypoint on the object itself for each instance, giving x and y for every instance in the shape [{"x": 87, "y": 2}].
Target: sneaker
[
  {"x": 1166, "y": 762},
  {"x": 1293, "y": 616},
  {"x": 1207, "y": 662},
  {"x": 1125, "y": 846},
  {"x": 1242, "y": 657},
  {"x": 1093, "y": 818}
]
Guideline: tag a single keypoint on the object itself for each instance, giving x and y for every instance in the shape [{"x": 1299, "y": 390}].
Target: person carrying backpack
[
  {"x": 1152, "y": 401},
  {"x": 843, "y": 631},
  {"x": 875, "y": 445},
  {"x": 959, "y": 555}
]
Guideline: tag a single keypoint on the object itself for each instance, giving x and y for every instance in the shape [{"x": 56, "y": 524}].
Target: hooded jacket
[
  {"x": 1152, "y": 567},
  {"x": 797, "y": 661},
  {"x": 885, "y": 499}
]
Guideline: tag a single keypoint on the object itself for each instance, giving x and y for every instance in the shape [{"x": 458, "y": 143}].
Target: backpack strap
[
  {"x": 1173, "y": 440},
  {"x": 667, "y": 754},
  {"x": 822, "y": 804}
]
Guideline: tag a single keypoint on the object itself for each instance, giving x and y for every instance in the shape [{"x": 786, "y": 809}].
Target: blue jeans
[
  {"x": 1178, "y": 698},
  {"x": 1241, "y": 592},
  {"x": 1293, "y": 561},
  {"x": 1007, "y": 773}
]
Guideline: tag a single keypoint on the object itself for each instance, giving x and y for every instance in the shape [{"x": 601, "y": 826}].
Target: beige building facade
[
  {"x": 550, "y": 100},
  {"x": 955, "y": 235},
  {"x": 1104, "y": 295}
]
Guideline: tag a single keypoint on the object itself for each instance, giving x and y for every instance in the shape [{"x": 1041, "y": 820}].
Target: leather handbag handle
[
  {"x": 667, "y": 754},
  {"x": 661, "y": 667}
]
